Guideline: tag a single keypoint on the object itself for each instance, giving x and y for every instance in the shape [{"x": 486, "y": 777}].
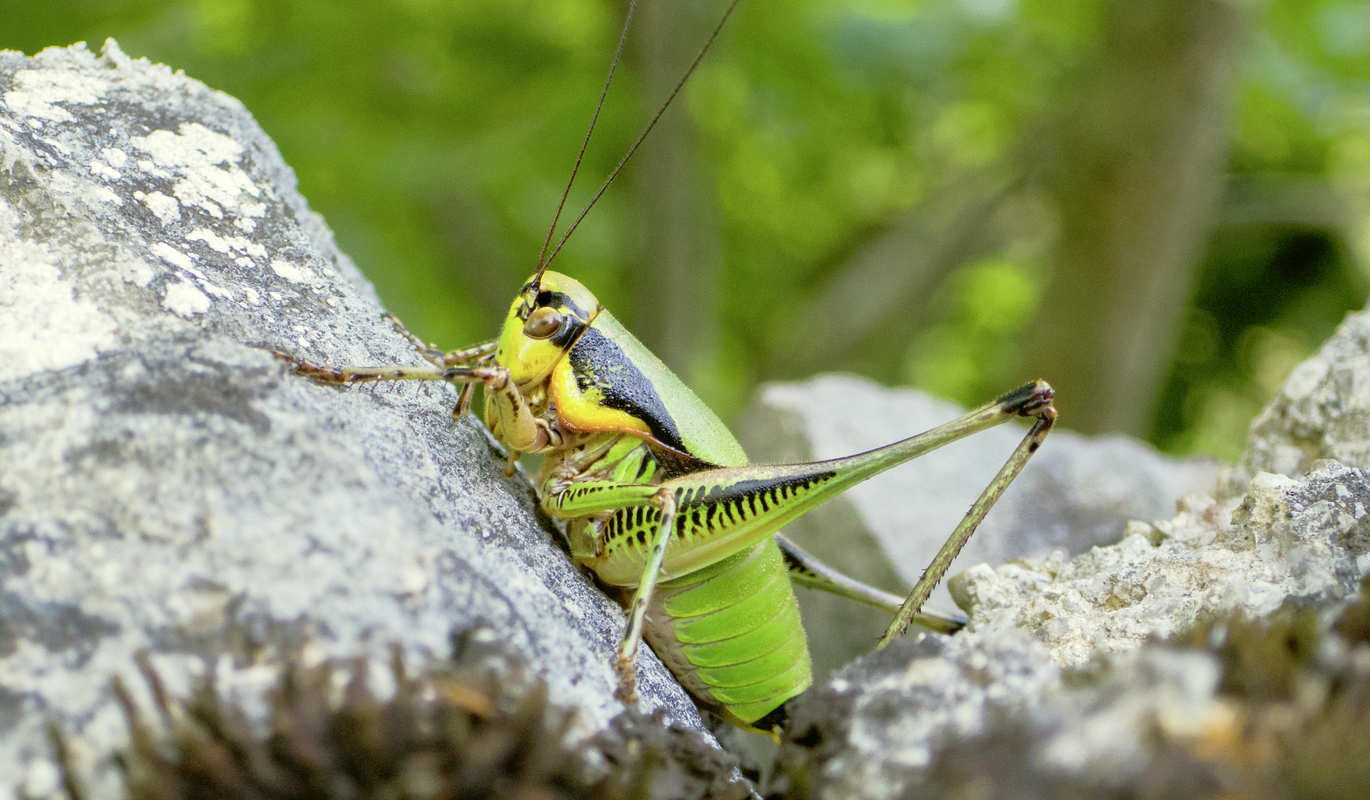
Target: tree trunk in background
[
  {"x": 676, "y": 269},
  {"x": 1139, "y": 169},
  {"x": 908, "y": 262}
]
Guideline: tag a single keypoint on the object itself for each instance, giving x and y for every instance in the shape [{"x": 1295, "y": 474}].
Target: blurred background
[{"x": 1159, "y": 205}]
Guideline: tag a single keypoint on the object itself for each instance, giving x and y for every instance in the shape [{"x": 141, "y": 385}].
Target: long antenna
[
  {"x": 585, "y": 144},
  {"x": 542, "y": 264}
]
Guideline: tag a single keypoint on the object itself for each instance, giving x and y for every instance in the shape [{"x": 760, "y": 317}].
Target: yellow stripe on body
[{"x": 584, "y": 410}]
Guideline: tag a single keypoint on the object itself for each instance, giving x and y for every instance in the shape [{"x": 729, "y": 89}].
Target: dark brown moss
[
  {"x": 441, "y": 734},
  {"x": 1353, "y": 624},
  {"x": 1302, "y": 703},
  {"x": 1262, "y": 659}
]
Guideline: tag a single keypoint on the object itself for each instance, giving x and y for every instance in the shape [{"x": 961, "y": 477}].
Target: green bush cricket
[{"x": 658, "y": 498}]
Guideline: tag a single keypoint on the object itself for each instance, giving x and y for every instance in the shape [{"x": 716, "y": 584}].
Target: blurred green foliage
[{"x": 434, "y": 137}]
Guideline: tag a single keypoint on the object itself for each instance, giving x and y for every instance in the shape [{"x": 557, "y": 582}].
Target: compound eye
[{"x": 542, "y": 323}]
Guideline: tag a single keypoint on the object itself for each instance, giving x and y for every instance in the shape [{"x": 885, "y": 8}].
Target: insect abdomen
[{"x": 731, "y": 633}]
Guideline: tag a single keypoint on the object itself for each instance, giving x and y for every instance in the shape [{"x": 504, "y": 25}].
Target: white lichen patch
[
  {"x": 104, "y": 194},
  {"x": 291, "y": 272},
  {"x": 37, "y": 92},
  {"x": 12, "y": 156},
  {"x": 213, "y": 240},
  {"x": 104, "y": 171},
  {"x": 172, "y": 256},
  {"x": 114, "y": 157},
  {"x": 226, "y": 244},
  {"x": 137, "y": 272},
  {"x": 41, "y": 779},
  {"x": 165, "y": 207},
  {"x": 191, "y": 145},
  {"x": 184, "y": 299},
  {"x": 205, "y": 163},
  {"x": 51, "y": 328}
]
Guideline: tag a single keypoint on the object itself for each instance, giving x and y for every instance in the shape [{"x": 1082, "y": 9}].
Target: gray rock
[
  {"x": 164, "y": 484},
  {"x": 1060, "y": 687},
  {"x": 1076, "y": 493},
  {"x": 994, "y": 716},
  {"x": 871, "y": 731},
  {"x": 1307, "y": 538},
  {"x": 1322, "y": 411}
]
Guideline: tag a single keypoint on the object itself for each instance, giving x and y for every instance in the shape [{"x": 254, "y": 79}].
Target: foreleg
[{"x": 520, "y": 429}]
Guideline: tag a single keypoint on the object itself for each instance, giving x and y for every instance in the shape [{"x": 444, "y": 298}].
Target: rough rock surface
[
  {"x": 1322, "y": 411},
  {"x": 164, "y": 484},
  {"x": 1062, "y": 665},
  {"x": 1285, "y": 537},
  {"x": 1076, "y": 492}
]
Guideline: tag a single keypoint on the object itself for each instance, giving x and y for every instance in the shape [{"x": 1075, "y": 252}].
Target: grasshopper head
[{"x": 544, "y": 321}]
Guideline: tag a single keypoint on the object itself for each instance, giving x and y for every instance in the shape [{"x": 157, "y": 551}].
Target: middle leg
[{"x": 626, "y": 663}]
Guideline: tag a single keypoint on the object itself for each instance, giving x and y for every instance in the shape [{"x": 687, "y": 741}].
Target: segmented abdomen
[{"x": 731, "y": 633}]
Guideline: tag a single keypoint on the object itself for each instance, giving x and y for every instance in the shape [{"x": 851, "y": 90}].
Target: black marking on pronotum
[
  {"x": 560, "y": 300},
  {"x": 547, "y": 297},
  {"x": 597, "y": 361}
]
